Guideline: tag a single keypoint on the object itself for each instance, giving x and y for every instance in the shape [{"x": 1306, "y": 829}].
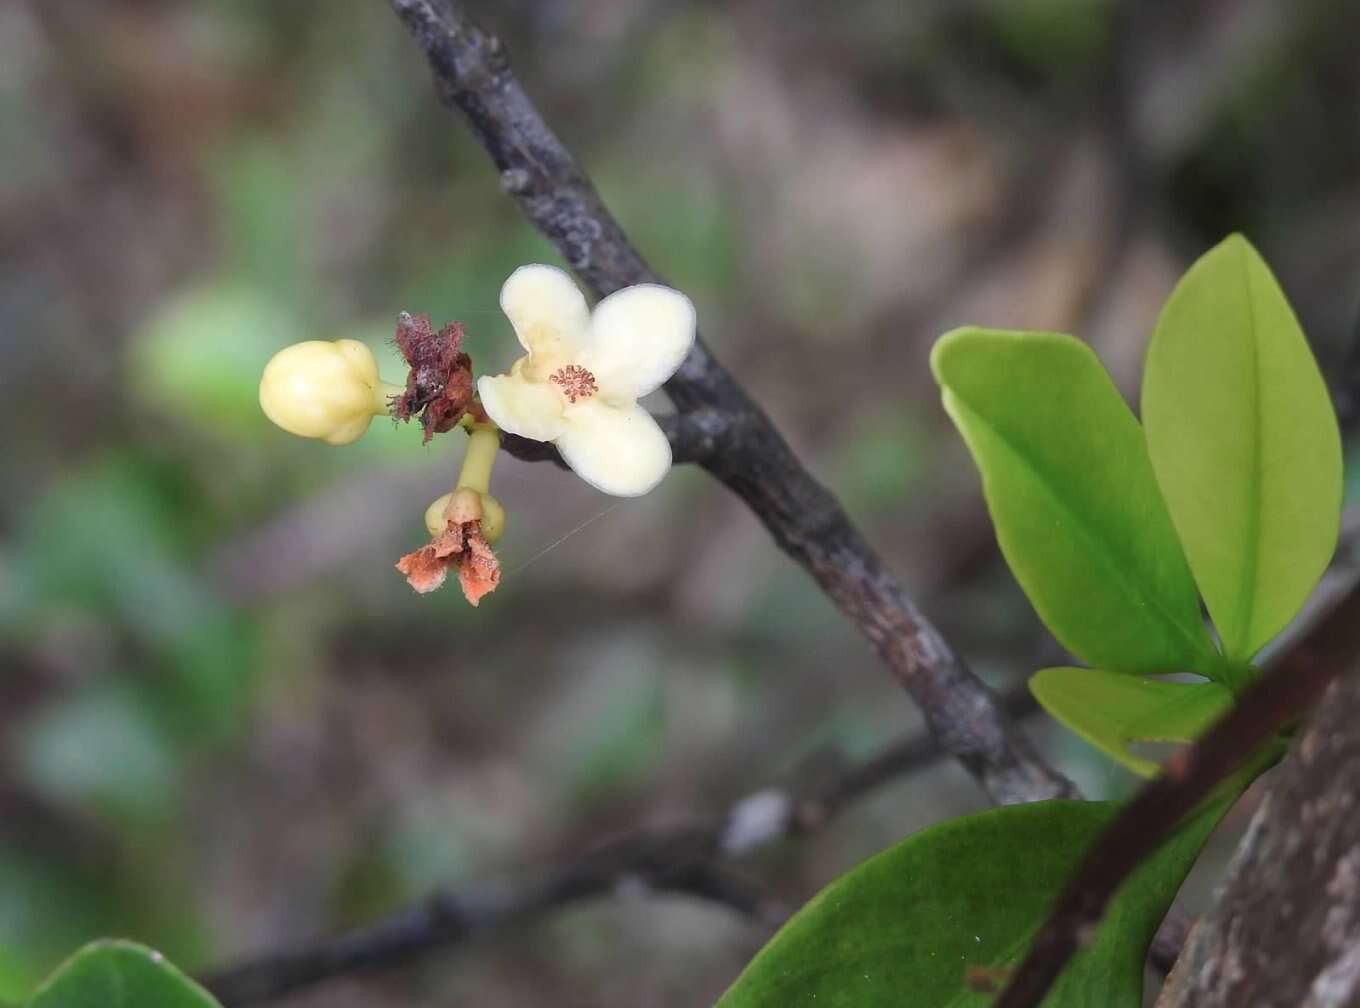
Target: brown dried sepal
[
  {"x": 439, "y": 386},
  {"x": 462, "y": 546},
  {"x": 479, "y": 572}
]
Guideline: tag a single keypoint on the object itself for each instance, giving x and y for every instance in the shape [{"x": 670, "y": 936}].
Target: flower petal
[
  {"x": 547, "y": 309},
  {"x": 424, "y": 571},
  {"x": 529, "y": 409},
  {"x": 479, "y": 572},
  {"x": 618, "y": 450},
  {"x": 638, "y": 337}
]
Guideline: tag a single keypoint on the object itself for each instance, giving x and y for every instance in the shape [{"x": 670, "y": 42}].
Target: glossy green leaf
[
  {"x": 1077, "y": 511},
  {"x": 905, "y": 926},
  {"x": 1244, "y": 443},
  {"x": 1110, "y": 710},
  {"x": 119, "y": 974}
]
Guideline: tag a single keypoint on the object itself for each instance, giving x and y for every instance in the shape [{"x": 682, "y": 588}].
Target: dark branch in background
[
  {"x": 451, "y": 916},
  {"x": 745, "y": 451},
  {"x": 689, "y": 859},
  {"x": 1295, "y": 684}
]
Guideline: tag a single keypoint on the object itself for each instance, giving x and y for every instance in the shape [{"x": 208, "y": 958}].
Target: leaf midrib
[{"x": 1246, "y": 597}]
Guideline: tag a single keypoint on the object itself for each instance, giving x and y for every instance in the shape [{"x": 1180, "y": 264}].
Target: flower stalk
[{"x": 484, "y": 444}]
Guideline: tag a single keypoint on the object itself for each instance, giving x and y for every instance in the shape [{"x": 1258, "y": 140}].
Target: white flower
[
  {"x": 319, "y": 389},
  {"x": 580, "y": 382}
]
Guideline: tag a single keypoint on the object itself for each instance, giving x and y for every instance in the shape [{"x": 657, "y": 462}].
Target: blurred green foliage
[{"x": 1062, "y": 37}]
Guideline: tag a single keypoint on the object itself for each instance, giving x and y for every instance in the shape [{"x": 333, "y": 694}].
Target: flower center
[{"x": 576, "y": 382}]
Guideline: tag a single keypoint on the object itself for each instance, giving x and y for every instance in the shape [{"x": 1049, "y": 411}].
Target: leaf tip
[
  {"x": 1236, "y": 245},
  {"x": 945, "y": 347}
]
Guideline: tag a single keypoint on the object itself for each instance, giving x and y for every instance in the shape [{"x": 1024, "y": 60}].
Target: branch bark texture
[
  {"x": 1285, "y": 928},
  {"x": 741, "y": 447}
]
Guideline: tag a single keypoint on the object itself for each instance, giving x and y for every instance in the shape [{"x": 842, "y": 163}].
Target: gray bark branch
[
  {"x": 1285, "y": 927},
  {"x": 741, "y": 447}
]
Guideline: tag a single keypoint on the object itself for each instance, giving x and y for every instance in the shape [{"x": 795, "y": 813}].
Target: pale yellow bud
[{"x": 325, "y": 390}]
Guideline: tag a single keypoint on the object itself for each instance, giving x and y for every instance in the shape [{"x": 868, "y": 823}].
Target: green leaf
[
  {"x": 1110, "y": 710},
  {"x": 905, "y": 926},
  {"x": 119, "y": 974},
  {"x": 1244, "y": 443},
  {"x": 1077, "y": 511}
]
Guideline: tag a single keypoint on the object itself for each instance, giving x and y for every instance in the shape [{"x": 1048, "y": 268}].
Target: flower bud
[{"x": 325, "y": 390}]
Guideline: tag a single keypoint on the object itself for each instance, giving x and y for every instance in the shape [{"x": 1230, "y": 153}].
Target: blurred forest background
[{"x": 226, "y": 723}]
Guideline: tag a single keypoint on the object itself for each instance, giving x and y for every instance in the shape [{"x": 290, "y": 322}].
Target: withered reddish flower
[
  {"x": 439, "y": 386},
  {"x": 461, "y": 545}
]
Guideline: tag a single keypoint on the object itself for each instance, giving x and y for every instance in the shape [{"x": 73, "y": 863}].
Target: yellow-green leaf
[
  {"x": 1071, "y": 492},
  {"x": 1110, "y": 710},
  {"x": 1244, "y": 443}
]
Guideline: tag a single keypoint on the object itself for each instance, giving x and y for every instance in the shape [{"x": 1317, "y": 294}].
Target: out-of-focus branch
[
  {"x": 670, "y": 863},
  {"x": 741, "y": 447},
  {"x": 690, "y": 859},
  {"x": 1294, "y": 684}
]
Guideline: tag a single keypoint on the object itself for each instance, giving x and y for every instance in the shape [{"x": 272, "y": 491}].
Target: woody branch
[{"x": 739, "y": 445}]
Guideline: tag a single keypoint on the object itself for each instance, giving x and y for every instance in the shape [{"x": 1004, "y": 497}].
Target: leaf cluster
[{"x": 1228, "y": 492}]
